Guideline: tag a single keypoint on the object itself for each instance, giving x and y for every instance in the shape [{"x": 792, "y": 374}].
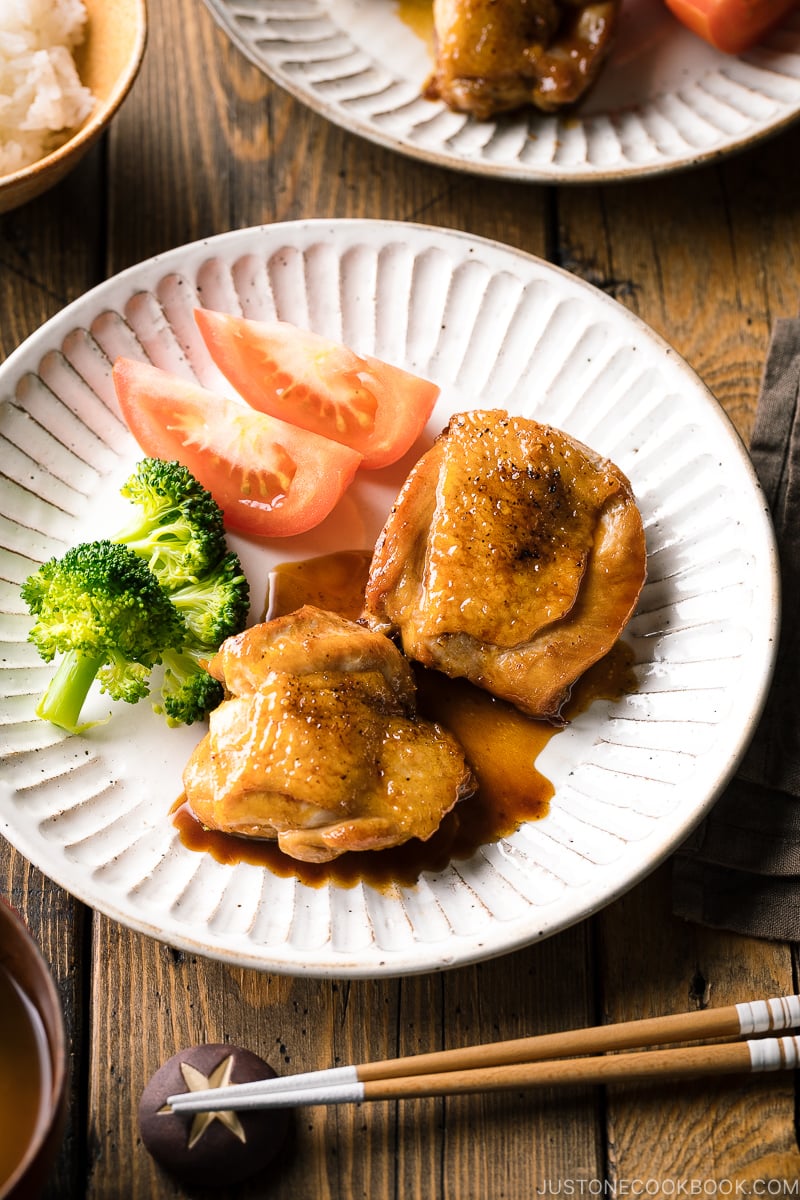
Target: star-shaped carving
[{"x": 196, "y": 1081}]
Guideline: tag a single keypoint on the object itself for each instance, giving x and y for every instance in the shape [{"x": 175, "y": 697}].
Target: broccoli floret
[
  {"x": 188, "y": 692},
  {"x": 102, "y": 608},
  {"x": 180, "y": 530},
  {"x": 213, "y": 608},
  {"x": 216, "y": 606},
  {"x": 166, "y": 588}
]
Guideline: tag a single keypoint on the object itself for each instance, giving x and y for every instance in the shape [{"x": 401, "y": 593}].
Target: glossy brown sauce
[
  {"x": 418, "y": 16},
  {"x": 501, "y": 744},
  {"x": 335, "y": 582}
]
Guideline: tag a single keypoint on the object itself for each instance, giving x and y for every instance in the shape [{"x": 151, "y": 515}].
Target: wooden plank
[
  {"x": 670, "y": 251},
  {"x": 50, "y": 253},
  {"x": 508, "y": 1141},
  {"x": 707, "y": 258},
  {"x": 718, "y": 1132},
  {"x": 505, "y": 1144}
]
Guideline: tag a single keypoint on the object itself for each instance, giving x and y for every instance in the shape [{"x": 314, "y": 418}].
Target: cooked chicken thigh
[
  {"x": 496, "y": 55},
  {"x": 513, "y": 557},
  {"x": 317, "y": 744}
]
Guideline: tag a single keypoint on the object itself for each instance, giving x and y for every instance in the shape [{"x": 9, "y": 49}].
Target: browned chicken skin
[
  {"x": 513, "y": 557},
  {"x": 317, "y": 744},
  {"x": 493, "y": 56}
]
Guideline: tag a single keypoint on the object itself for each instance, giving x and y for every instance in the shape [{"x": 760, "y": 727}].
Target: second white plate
[{"x": 665, "y": 100}]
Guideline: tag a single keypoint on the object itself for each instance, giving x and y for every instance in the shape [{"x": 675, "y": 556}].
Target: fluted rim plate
[
  {"x": 492, "y": 326},
  {"x": 666, "y": 100}
]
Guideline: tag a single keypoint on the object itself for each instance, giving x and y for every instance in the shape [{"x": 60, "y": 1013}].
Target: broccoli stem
[{"x": 66, "y": 693}]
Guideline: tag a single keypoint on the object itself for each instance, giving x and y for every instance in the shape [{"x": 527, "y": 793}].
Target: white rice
[{"x": 42, "y": 99}]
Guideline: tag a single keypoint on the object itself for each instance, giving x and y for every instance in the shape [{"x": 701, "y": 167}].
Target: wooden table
[{"x": 709, "y": 258}]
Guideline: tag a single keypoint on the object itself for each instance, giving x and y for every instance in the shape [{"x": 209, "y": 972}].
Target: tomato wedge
[
  {"x": 269, "y": 478},
  {"x": 731, "y": 25},
  {"x": 301, "y": 377}
]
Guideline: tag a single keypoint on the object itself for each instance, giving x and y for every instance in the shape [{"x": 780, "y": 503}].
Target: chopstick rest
[
  {"x": 528, "y": 1062},
  {"x": 212, "y": 1149}
]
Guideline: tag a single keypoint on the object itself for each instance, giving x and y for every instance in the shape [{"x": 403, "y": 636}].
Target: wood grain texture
[
  {"x": 709, "y": 259},
  {"x": 654, "y": 963},
  {"x": 435, "y": 1147},
  {"x": 44, "y": 265}
]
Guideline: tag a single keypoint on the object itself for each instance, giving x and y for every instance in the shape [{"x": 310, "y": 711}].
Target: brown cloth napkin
[{"x": 740, "y": 870}]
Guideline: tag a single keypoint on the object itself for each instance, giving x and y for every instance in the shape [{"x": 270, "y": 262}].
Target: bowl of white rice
[{"x": 65, "y": 68}]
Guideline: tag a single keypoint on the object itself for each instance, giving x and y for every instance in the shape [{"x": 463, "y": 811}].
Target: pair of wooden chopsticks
[{"x": 545, "y": 1060}]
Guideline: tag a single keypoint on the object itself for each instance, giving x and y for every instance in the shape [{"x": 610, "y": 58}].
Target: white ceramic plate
[
  {"x": 665, "y": 99},
  {"x": 490, "y": 325}
]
